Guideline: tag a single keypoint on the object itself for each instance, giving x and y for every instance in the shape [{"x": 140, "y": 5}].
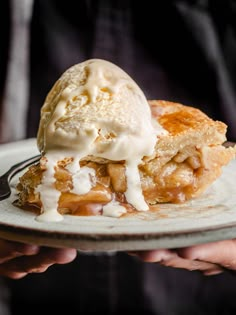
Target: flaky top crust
[{"x": 179, "y": 119}]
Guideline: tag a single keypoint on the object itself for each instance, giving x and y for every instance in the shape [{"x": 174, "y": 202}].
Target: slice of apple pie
[{"x": 186, "y": 161}]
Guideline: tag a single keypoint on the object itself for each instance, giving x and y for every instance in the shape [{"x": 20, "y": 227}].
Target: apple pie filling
[{"x": 175, "y": 180}]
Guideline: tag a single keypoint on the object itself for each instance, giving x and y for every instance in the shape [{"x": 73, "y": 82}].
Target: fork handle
[
  {"x": 6, "y": 177},
  {"x": 20, "y": 166}
]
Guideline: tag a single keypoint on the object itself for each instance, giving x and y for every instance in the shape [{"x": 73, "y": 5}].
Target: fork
[{"x": 5, "y": 189}]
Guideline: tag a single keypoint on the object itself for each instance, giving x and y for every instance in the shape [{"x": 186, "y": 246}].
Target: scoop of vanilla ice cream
[{"x": 95, "y": 108}]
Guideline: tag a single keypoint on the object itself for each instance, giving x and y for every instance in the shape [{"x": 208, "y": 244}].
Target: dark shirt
[{"x": 182, "y": 51}]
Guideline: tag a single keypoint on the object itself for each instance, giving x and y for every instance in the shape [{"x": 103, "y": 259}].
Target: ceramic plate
[{"x": 209, "y": 218}]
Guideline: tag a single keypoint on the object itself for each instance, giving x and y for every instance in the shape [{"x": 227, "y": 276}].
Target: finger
[
  {"x": 193, "y": 265},
  {"x": 57, "y": 255},
  {"x": 20, "y": 266},
  {"x": 213, "y": 271},
  {"x": 170, "y": 258},
  {"x": 10, "y": 250},
  {"x": 222, "y": 253},
  {"x": 153, "y": 255},
  {"x": 12, "y": 274}
]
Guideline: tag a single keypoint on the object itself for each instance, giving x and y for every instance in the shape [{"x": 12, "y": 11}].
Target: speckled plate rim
[{"x": 210, "y": 218}]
